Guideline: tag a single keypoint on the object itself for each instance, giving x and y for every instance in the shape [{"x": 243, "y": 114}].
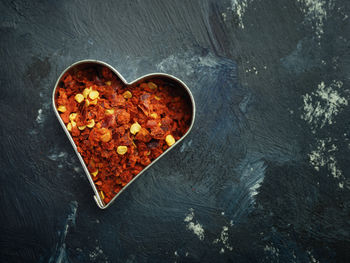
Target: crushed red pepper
[{"x": 120, "y": 129}]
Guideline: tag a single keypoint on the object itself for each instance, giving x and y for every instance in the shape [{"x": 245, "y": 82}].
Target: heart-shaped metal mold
[{"x": 175, "y": 83}]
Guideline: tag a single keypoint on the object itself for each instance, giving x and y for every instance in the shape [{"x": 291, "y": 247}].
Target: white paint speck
[
  {"x": 322, "y": 105},
  {"x": 253, "y": 190},
  {"x": 252, "y": 70},
  {"x": 223, "y": 239},
  {"x": 40, "y": 117},
  {"x": 312, "y": 258},
  {"x": 315, "y": 12},
  {"x": 239, "y": 8},
  {"x": 324, "y": 156},
  {"x": 185, "y": 145},
  {"x": 182, "y": 148},
  {"x": 224, "y": 16},
  {"x": 56, "y": 156},
  {"x": 208, "y": 61},
  {"x": 186, "y": 62},
  {"x": 190, "y": 216},
  {"x": 195, "y": 227},
  {"x": 97, "y": 254},
  {"x": 189, "y": 143},
  {"x": 273, "y": 250},
  {"x": 319, "y": 109}
]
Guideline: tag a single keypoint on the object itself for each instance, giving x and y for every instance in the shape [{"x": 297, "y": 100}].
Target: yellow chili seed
[
  {"x": 135, "y": 128},
  {"x": 72, "y": 116},
  {"x": 154, "y": 115},
  {"x": 109, "y": 111},
  {"x": 152, "y": 85},
  {"x": 62, "y": 108},
  {"x": 73, "y": 123},
  {"x": 82, "y": 127},
  {"x": 87, "y": 102},
  {"x": 169, "y": 139},
  {"x": 109, "y": 83},
  {"x": 127, "y": 95},
  {"x": 69, "y": 127},
  {"x": 102, "y": 195},
  {"x": 95, "y": 173},
  {"x": 79, "y": 97},
  {"x": 157, "y": 98},
  {"x": 122, "y": 150},
  {"x": 93, "y": 94},
  {"x": 91, "y": 123},
  {"x": 86, "y": 92}
]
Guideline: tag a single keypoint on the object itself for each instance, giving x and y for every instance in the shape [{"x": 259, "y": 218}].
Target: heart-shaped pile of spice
[{"x": 119, "y": 129}]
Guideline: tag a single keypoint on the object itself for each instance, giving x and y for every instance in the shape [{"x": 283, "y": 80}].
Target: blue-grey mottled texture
[{"x": 264, "y": 176}]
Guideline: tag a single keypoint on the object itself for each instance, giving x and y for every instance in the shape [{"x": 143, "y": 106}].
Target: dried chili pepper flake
[
  {"x": 144, "y": 85},
  {"x": 152, "y": 85},
  {"x": 123, "y": 116},
  {"x": 93, "y": 102},
  {"x": 143, "y": 135},
  {"x": 106, "y": 136}
]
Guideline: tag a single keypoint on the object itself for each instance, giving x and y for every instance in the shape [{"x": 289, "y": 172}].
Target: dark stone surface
[{"x": 265, "y": 172}]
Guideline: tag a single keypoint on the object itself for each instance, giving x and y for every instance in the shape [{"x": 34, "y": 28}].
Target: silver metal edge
[{"x": 97, "y": 197}]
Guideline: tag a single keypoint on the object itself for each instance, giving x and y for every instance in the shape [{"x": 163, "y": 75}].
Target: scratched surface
[{"x": 264, "y": 175}]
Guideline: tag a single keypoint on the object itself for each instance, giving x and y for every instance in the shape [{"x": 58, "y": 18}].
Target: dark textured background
[{"x": 264, "y": 175}]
